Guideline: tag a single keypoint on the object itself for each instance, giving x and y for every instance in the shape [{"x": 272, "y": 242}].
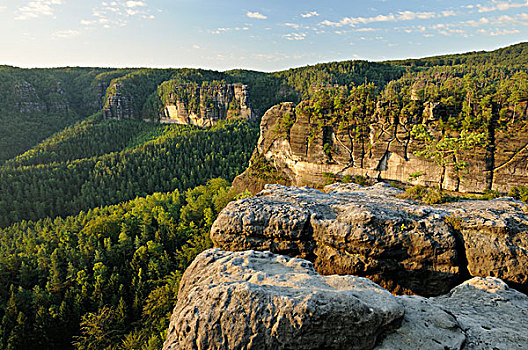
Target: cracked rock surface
[
  {"x": 405, "y": 246},
  {"x": 259, "y": 300}
]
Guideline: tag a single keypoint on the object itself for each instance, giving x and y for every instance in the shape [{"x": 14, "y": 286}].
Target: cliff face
[
  {"x": 187, "y": 103},
  {"x": 118, "y": 106},
  {"x": 303, "y": 152},
  {"x": 29, "y": 101},
  {"x": 206, "y": 105}
]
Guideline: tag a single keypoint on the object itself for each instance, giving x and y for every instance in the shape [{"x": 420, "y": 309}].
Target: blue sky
[{"x": 263, "y": 35}]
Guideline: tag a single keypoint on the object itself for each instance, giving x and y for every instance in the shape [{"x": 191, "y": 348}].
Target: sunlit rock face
[
  {"x": 305, "y": 154},
  {"x": 186, "y": 103}
]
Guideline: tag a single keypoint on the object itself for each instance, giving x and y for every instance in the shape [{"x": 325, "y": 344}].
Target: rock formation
[
  {"x": 118, "y": 106},
  {"x": 186, "y": 103},
  {"x": 29, "y": 101},
  {"x": 206, "y": 105},
  {"x": 304, "y": 153},
  {"x": 259, "y": 300},
  {"x": 404, "y": 246}
]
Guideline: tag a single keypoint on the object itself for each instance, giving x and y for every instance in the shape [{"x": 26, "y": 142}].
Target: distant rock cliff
[
  {"x": 402, "y": 245},
  {"x": 206, "y": 105},
  {"x": 186, "y": 103},
  {"x": 118, "y": 106},
  {"x": 299, "y": 151},
  {"x": 259, "y": 300},
  {"x": 29, "y": 101}
]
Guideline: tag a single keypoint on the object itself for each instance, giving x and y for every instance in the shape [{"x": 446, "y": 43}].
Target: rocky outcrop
[
  {"x": 259, "y": 300},
  {"x": 382, "y": 147},
  {"x": 118, "y": 105},
  {"x": 29, "y": 101},
  {"x": 185, "y": 103},
  {"x": 406, "y": 247},
  {"x": 206, "y": 105}
]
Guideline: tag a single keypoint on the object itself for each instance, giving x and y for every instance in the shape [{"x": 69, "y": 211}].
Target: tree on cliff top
[{"x": 446, "y": 151}]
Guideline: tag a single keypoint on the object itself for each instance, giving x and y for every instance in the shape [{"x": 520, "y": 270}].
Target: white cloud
[
  {"x": 365, "y": 29},
  {"x": 224, "y": 29},
  {"x": 117, "y": 13},
  {"x": 448, "y": 13},
  {"x": 3, "y": 8},
  {"x": 501, "y": 6},
  {"x": 196, "y": 47},
  {"x": 400, "y": 16},
  {"x": 451, "y": 31},
  {"x": 310, "y": 14},
  {"x": 410, "y": 15},
  {"x": 133, "y": 4},
  {"x": 498, "y": 32},
  {"x": 37, "y": 8},
  {"x": 256, "y": 15},
  {"x": 292, "y": 25},
  {"x": 65, "y": 34},
  {"x": 295, "y": 36}
]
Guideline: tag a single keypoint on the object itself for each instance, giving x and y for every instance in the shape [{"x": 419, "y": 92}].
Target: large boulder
[
  {"x": 259, "y": 300},
  {"x": 405, "y": 246}
]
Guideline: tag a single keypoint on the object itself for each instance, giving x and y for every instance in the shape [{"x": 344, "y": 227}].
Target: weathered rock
[
  {"x": 118, "y": 106},
  {"x": 212, "y": 102},
  {"x": 424, "y": 326},
  {"x": 406, "y": 247},
  {"x": 188, "y": 104},
  {"x": 28, "y": 99},
  {"x": 258, "y": 300},
  {"x": 384, "y": 149},
  {"x": 492, "y": 315},
  {"x": 495, "y": 238}
]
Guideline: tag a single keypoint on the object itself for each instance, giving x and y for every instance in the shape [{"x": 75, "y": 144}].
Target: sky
[{"x": 265, "y": 35}]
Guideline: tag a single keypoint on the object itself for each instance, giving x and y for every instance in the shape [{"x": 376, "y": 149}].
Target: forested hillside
[
  {"x": 106, "y": 278},
  {"x": 153, "y": 158}
]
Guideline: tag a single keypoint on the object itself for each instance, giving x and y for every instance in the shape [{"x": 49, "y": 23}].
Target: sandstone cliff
[
  {"x": 186, "y": 103},
  {"x": 381, "y": 146},
  {"x": 118, "y": 106},
  {"x": 50, "y": 101},
  {"x": 258, "y": 300},
  {"x": 206, "y": 105},
  {"x": 402, "y": 245}
]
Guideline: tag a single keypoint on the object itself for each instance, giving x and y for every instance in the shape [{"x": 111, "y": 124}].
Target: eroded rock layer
[
  {"x": 206, "y": 105},
  {"x": 259, "y": 300},
  {"x": 406, "y": 247},
  {"x": 305, "y": 153},
  {"x": 186, "y": 103}
]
